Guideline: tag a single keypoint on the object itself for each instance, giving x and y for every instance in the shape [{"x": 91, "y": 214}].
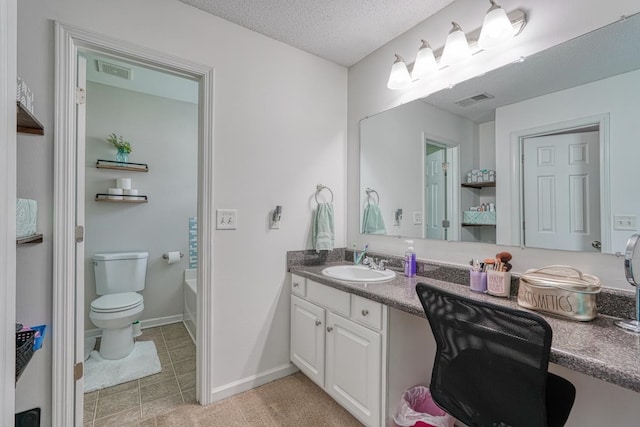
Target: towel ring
[
  {"x": 321, "y": 187},
  {"x": 369, "y": 191}
]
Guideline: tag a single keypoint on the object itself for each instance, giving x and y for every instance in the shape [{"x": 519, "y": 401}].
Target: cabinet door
[
  {"x": 307, "y": 339},
  {"x": 354, "y": 363}
]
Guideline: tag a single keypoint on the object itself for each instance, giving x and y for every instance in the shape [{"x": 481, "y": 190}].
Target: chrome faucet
[{"x": 373, "y": 264}]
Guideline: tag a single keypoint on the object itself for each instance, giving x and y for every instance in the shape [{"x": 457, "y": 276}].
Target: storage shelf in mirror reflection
[
  {"x": 478, "y": 184},
  {"x": 564, "y": 90}
]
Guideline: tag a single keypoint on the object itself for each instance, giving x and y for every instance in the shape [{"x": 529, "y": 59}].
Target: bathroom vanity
[{"x": 365, "y": 343}]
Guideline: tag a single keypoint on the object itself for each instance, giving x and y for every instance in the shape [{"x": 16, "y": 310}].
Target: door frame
[
  {"x": 68, "y": 40},
  {"x": 453, "y": 180},
  {"x": 517, "y": 139},
  {"x": 8, "y": 167}
]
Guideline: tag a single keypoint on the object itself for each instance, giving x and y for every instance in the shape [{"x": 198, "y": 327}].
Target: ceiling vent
[
  {"x": 474, "y": 99},
  {"x": 115, "y": 70}
]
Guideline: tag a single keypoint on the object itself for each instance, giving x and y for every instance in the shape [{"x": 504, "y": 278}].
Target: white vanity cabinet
[{"x": 339, "y": 341}]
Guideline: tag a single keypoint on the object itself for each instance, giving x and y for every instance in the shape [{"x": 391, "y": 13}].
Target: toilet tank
[{"x": 117, "y": 272}]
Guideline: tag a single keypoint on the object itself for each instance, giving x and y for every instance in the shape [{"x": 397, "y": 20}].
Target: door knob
[
  {"x": 365, "y": 312},
  {"x": 295, "y": 285},
  {"x": 329, "y": 328},
  {"x": 318, "y": 323},
  {"x": 596, "y": 244}
]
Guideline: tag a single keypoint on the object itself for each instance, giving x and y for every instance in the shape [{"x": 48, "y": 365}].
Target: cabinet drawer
[
  {"x": 298, "y": 285},
  {"x": 331, "y": 298},
  {"x": 367, "y": 312}
]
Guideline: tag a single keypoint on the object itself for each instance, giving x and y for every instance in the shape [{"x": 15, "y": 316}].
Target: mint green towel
[
  {"x": 26, "y": 217},
  {"x": 323, "y": 236},
  {"x": 372, "y": 222}
]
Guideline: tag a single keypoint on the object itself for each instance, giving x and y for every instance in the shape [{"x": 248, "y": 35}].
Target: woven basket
[{"x": 24, "y": 350}]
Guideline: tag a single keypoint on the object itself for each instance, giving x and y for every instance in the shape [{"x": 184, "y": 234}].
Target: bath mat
[
  {"x": 101, "y": 373},
  {"x": 89, "y": 345}
]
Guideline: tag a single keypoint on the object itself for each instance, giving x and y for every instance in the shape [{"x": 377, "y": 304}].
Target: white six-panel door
[{"x": 562, "y": 191}]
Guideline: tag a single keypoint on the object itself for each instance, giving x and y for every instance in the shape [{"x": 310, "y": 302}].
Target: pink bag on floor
[{"x": 417, "y": 408}]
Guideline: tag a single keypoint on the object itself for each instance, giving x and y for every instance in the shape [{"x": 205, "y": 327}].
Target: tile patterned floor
[
  {"x": 167, "y": 399},
  {"x": 143, "y": 399}
]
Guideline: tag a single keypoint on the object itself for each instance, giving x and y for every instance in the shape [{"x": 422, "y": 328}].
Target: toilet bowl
[
  {"x": 119, "y": 278},
  {"x": 114, "y": 314}
]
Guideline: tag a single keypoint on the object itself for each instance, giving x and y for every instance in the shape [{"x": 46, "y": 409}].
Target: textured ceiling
[{"x": 341, "y": 31}]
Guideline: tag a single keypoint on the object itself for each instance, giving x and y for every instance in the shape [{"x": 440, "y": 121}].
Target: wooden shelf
[
  {"x": 478, "y": 184},
  {"x": 27, "y": 122},
  {"x": 477, "y": 225},
  {"x": 102, "y": 197},
  {"x": 36, "y": 238},
  {"x": 111, "y": 164}
]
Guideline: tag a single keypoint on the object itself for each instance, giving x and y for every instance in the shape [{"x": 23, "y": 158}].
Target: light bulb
[
  {"x": 399, "y": 77},
  {"x": 425, "y": 62},
  {"x": 456, "y": 48},
  {"x": 496, "y": 28}
]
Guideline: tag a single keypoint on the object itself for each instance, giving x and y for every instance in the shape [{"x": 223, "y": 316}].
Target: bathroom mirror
[{"x": 538, "y": 109}]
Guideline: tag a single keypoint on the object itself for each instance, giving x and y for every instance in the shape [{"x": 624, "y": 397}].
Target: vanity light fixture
[
  {"x": 496, "y": 28},
  {"x": 425, "y": 62},
  {"x": 456, "y": 48},
  {"x": 399, "y": 77}
]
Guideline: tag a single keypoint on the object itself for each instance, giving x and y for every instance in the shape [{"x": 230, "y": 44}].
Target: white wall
[
  {"x": 394, "y": 154},
  {"x": 279, "y": 130},
  {"x": 549, "y": 23},
  {"x": 617, "y": 96},
  {"x": 164, "y": 134}
]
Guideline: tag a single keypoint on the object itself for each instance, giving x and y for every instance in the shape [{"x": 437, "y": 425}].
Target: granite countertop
[{"x": 597, "y": 348}]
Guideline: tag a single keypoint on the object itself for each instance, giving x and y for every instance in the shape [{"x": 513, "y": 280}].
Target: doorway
[
  {"x": 68, "y": 307},
  {"x": 440, "y": 195},
  {"x": 154, "y": 115}
]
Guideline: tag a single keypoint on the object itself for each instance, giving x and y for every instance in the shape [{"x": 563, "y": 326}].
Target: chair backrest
[{"x": 491, "y": 361}]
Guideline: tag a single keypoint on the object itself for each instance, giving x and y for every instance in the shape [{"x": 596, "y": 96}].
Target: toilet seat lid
[{"x": 116, "y": 302}]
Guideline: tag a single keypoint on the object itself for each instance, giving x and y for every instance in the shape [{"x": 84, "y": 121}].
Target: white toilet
[{"x": 119, "y": 275}]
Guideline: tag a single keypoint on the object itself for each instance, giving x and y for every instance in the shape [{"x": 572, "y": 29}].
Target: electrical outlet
[
  {"x": 624, "y": 222},
  {"x": 226, "y": 219}
]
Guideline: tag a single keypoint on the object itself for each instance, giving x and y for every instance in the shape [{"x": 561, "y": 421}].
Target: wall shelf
[
  {"x": 36, "y": 238},
  {"x": 103, "y": 197},
  {"x": 478, "y": 184},
  {"x": 123, "y": 166},
  {"x": 27, "y": 122}
]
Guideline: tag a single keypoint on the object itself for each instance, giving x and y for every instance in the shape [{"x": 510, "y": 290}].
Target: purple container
[{"x": 478, "y": 281}]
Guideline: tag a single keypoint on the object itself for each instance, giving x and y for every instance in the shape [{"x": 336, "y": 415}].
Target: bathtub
[{"x": 190, "y": 302}]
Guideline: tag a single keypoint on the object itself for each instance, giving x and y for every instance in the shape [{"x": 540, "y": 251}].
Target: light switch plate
[
  {"x": 417, "y": 218},
  {"x": 226, "y": 219}
]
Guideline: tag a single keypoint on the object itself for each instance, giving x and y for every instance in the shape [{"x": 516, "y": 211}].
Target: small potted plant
[{"x": 124, "y": 148}]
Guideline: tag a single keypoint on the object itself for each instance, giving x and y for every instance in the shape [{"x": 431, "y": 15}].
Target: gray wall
[{"x": 164, "y": 134}]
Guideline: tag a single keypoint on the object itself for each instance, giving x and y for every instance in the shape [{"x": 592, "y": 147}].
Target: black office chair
[{"x": 491, "y": 363}]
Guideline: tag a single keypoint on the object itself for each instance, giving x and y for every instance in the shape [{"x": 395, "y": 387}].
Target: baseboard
[
  {"x": 244, "y": 384},
  {"x": 159, "y": 321},
  {"x": 148, "y": 323}
]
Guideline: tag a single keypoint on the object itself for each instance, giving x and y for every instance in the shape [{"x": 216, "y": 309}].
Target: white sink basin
[{"x": 358, "y": 273}]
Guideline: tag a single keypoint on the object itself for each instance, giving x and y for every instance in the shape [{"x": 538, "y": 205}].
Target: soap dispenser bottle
[{"x": 409, "y": 260}]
